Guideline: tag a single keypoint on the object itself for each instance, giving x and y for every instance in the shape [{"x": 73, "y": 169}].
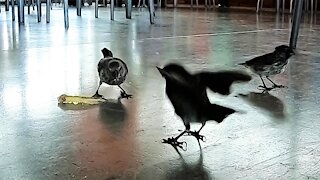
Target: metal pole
[
  {"x": 78, "y": 4},
  {"x": 296, "y": 23},
  {"x": 66, "y": 16},
  {"x": 48, "y": 6},
  {"x": 96, "y": 9},
  {"x": 38, "y": 10},
  {"x": 151, "y": 11},
  {"x": 7, "y": 5},
  {"x": 128, "y": 9},
  {"x": 112, "y": 9},
  {"x": 21, "y": 11},
  {"x": 13, "y": 13}
]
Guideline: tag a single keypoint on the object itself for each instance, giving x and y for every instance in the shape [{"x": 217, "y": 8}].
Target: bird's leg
[
  {"x": 197, "y": 135},
  {"x": 274, "y": 84},
  {"x": 174, "y": 141},
  {"x": 124, "y": 94},
  {"x": 97, "y": 95},
  {"x": 264, "y": 87}
]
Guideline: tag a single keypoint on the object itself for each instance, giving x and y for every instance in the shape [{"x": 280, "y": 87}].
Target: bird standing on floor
[
  {"x": 270, "y": 64},
  {"x": 112, "y": 71},
  {"x": 188, "y": 96}
]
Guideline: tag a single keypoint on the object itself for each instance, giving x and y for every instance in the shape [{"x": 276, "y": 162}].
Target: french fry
[{"x": 66, "y": 99}]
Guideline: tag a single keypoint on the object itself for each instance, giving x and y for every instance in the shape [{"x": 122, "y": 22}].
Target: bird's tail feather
[{"x": 219, "y": 113}]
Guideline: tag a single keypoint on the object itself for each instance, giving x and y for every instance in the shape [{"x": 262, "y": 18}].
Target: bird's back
[
  {"x": 187, "y": 99},
  {"x": 112, "y": 71}
]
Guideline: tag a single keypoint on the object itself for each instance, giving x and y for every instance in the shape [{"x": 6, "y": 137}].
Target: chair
[
  {"x": 206, "y": 3},
  {"x": 313, "y": 4},
  {"x": 260, "y": 4}
]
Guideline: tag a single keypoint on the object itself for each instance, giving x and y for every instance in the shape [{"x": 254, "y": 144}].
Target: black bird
[
  {"x": 270, "y": 64},
  {"x": 188, "y": 96},
  {"x": 112, "y": 71}
]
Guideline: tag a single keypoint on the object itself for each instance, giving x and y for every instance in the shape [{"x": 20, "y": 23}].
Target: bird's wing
[
  {"x": 221, "y": 81},
  {"x": 266, "y": 59}
]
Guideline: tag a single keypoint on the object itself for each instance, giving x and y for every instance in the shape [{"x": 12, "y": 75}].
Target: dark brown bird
[
  {"x": 270, "y": 64},
  {"x": 188, "y": 96},
  {"x": 112, "y": 71}
]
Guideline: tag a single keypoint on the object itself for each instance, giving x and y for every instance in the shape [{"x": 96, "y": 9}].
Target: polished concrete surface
[{"x": 277, "y": 136}]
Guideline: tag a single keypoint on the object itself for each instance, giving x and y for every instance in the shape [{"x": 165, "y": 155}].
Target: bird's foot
[
  {"x": 175, "y": 143},
  {"x": 197, "y": 135},
  {"x": 125, "y": 95},
  {"x": 97, "y": 96},
  {"x": 265, "y": 88}
]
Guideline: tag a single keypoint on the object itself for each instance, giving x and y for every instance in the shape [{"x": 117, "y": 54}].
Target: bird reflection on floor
[
  {"x": 183, "y": 168},
  {"x": 113, "y": 115},
  {"x": 267, "y": 103}
]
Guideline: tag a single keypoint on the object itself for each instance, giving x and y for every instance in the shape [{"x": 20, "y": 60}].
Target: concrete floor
[{"x": 277, "y": 138}]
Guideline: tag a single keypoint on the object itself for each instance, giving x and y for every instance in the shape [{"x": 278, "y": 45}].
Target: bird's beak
[
  {"x": 162, "y": 72},
  {"x": 159, "y": 69}
]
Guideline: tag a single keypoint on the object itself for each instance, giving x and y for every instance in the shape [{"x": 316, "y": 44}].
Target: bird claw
[
  {"x": 197, "y": 135},
  {"x": 264, "y": 88},
  {"x": 97, "y": 96},
  {"x": 125, "y": 95},
  {"x": 173, "y": 142}
]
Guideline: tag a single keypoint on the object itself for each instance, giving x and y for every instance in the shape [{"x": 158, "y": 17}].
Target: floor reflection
[
  {"x": 179, "y": 169},
  {"x": 267, "y": 103},
  {"x": 113, "y": 115}
]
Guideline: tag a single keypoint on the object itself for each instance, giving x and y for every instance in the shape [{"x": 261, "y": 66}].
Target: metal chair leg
[
  {"x": 66, "y": 14},
  {"x": 151, "y": 11},
  {"x": 21, "y": 11},
  {"x": 48, "y": 6},
  {"x": 291, "y": 3},
  {"x": 29, "y": 4},
  {"x": 128, "y": 9},
  {"x": 112, "y": 9},
  {"x": 7, "y": 5},
  {"x": 13, "y": 11},
  {"x": 78, "y": 4},
  {"x": 96, "y": 9},
  {"x": 38, "y": 10},
  {"x": 258, "y": 6}
]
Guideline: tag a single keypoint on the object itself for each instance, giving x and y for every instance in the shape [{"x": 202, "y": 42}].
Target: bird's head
[
  {"x": 285, "y": 49},
  {"x": 106, "y": 52},
  {"x": 175, "y": 71}
]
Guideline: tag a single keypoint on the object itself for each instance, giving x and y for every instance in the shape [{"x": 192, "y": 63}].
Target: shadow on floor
[
  {"x": 267, "y": 103},
  {"x": 179, "y": 169}
]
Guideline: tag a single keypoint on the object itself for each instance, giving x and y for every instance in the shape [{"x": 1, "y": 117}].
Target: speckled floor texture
[{"x": 277, "y": 136}]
